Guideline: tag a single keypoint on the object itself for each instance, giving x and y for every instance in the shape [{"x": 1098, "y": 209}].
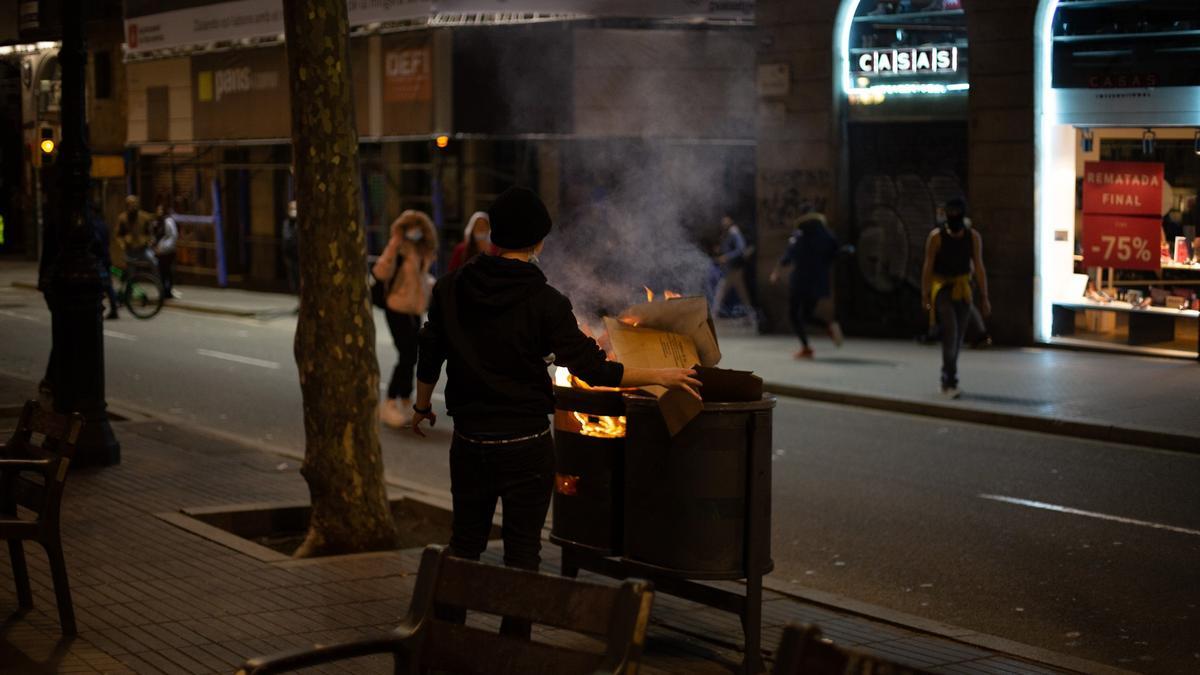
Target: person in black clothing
[
  {"x": 290, "y": 247},
  {"x": 953, "y": 254},
  {"x": 496, "y": 324},
  {"x": 811, "y": 252},
  {"x": 1172, "y": 226}
]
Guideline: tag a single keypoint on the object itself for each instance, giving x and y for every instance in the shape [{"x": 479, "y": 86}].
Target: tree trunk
[{"x": 335, "y": 332}]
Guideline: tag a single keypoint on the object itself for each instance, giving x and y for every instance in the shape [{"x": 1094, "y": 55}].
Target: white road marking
[
  {"x": 1089, "y": 514},
  {"x": 119, "y": 336},
  {"x": 239, "y": 359},
  {"x": 17, "y": 315}
]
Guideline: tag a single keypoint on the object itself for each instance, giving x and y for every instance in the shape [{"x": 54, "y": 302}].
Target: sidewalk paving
[
  {"x": 152, "y": 597},
  {"x": 226, "y": 301},
  {"x": 1123, "y": 398}
]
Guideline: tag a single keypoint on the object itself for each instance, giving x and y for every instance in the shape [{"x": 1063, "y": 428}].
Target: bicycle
[{"x": 141, "y": 290}]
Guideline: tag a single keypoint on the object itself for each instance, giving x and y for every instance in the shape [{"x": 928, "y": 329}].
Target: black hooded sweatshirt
[{"x": 497, "y": 324}]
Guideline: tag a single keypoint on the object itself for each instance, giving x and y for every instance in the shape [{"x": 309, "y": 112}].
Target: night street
[{"x": 876, "y": 507}]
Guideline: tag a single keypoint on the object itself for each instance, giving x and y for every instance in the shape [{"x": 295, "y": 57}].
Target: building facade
[{"x": 878, "y": 110}]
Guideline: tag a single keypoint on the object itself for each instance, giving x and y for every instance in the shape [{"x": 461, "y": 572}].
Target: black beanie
[{"x": 519, "y": 219}]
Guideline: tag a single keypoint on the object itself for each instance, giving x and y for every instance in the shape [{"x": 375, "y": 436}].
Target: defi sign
[{"x": 910, "y": 61}]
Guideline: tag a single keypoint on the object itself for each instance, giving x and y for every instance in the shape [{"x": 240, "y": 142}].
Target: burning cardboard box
[{"x": 678, "y": 333}]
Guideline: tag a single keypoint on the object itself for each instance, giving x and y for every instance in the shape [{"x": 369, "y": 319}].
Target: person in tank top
[{"x": 953, "y": 255}]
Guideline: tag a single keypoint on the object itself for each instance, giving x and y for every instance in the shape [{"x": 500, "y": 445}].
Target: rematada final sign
[{"x": 910, "y": 61}]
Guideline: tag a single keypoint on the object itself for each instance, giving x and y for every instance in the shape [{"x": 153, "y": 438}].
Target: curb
[
  {"x": 917, "y": 624},
  {"x": 1082, "y": 430},
  {"x": 197, "y": 307}
]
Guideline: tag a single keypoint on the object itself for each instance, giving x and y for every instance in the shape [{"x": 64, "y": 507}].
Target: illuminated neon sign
[{"x": 910, "y": 61}]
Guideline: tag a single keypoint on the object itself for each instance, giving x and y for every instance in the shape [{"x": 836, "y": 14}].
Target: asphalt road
[{"x": 953, "y": 522}]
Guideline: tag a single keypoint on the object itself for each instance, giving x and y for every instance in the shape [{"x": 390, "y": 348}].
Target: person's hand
[
  {"x": 985, "y": 308},
  {"x": 417, "y": 418},
  {"x": 683, "y": 379},
  {"x": 774, "y": 278}
]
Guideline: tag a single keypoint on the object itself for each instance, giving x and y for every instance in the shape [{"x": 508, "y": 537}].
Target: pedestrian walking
[
  {"x": 492, "y": 322},
  {"x": 404, "y": 267},
  {"x": 289, "y": 244},
  {"x": 731, "y": 257},
  {"x": 166, "y": 234},
  {"x": 810, "y": 254},
  {"x": 953, "y": 255},
  {"x": 476, "y": 240}
]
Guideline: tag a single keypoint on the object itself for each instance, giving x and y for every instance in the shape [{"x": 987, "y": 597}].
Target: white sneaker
[
  {"x": 835, "y": 333},
  {"x": 391, "y": 415},
  {"x": 951, "y": 392}
]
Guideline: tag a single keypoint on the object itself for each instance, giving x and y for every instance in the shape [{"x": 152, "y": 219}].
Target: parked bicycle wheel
[{"x": 144, "y": 295}]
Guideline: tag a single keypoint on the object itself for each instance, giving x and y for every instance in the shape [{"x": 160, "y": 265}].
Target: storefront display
[{"x": 1117, "y": 255}]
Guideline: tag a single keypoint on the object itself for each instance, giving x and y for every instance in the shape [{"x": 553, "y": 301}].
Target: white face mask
[
  {"x": 291, "y": 213},
  {"x": 414, "y": 235},
  {"x": 483, "y": 238}
]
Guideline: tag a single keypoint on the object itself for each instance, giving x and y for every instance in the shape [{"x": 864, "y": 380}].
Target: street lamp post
[{"x": 70, "y": 275}]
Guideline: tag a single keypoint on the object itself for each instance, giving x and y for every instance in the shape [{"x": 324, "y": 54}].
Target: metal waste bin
[
  {"x": 589, "y": 450},
  {"x": 690, "y": 499}
]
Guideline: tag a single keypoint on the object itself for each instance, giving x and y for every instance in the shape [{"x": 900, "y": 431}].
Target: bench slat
[
  {"x": 553, "y": 601},
  {"x": 462, "y": 649}
]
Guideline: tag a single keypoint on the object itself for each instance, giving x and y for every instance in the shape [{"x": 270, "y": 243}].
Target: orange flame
[
  {"x": 666, "y": 295},
  {"x": 600, "y": 426}
]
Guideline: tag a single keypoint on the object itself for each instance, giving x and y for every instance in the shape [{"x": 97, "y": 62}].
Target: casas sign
[
  {"x": 909, "y": 61},
  {"x": 1123, "y": 188}
]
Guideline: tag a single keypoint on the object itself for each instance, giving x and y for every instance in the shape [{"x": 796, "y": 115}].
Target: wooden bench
[
  {"x": 47, "y": 462},
  {"x": 1147, "y": 326},
  {"x": 803, "y": 651},
  {"x": 423, "y": 641}
]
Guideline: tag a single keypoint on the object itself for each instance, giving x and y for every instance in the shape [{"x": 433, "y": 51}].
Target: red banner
[
  {"x": 1123, "y": 188},
  {"x": 1123, "y": 242}
]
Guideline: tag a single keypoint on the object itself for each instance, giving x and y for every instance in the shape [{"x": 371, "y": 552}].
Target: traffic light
[{"x": 47, "y": 144}]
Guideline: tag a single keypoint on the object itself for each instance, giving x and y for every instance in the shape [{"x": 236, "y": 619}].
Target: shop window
[
  {"x": 1125, "y": 44},
  {"x": 49, "y": 88}
]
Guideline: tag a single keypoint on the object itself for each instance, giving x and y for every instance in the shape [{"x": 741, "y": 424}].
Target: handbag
[{"x": 380, "y": 290}]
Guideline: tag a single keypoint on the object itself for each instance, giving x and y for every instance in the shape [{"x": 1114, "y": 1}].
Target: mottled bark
[{"x": 335, "y": 334}]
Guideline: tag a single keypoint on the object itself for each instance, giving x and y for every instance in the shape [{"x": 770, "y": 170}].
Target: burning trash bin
[
  {"x": 589, "y": 450},
  {"x": 655, "y": 484}
]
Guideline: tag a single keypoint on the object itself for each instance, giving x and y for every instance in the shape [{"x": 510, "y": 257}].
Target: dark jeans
[
  {"x": 404, "y": 328},
  {"x": 953, "y": 316},
  {"x": 166, "y": 271},
  {"x": 111, "y": 292},
  {"x": 291, "y": 264},
  {"x": 521, "y": 476},
  {"x": 802, "y": 307}
]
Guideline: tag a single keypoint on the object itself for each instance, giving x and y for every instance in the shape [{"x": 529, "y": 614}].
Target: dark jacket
[
  {"x": 497, "y": 324},
  {"x": 811, "y": 251}
]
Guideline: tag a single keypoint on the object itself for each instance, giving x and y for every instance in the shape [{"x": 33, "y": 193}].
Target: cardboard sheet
[
  {"x": 684, "y": 316},
  {"x": 648, "y": 348}
]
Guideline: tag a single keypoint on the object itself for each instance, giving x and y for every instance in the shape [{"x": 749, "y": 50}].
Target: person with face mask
[
  {"x": 290, "y": 247},
  {"x": 404, "y": 266},
  {"x": 477, "y": 238},
  {"x": 953, "y": 255}
]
